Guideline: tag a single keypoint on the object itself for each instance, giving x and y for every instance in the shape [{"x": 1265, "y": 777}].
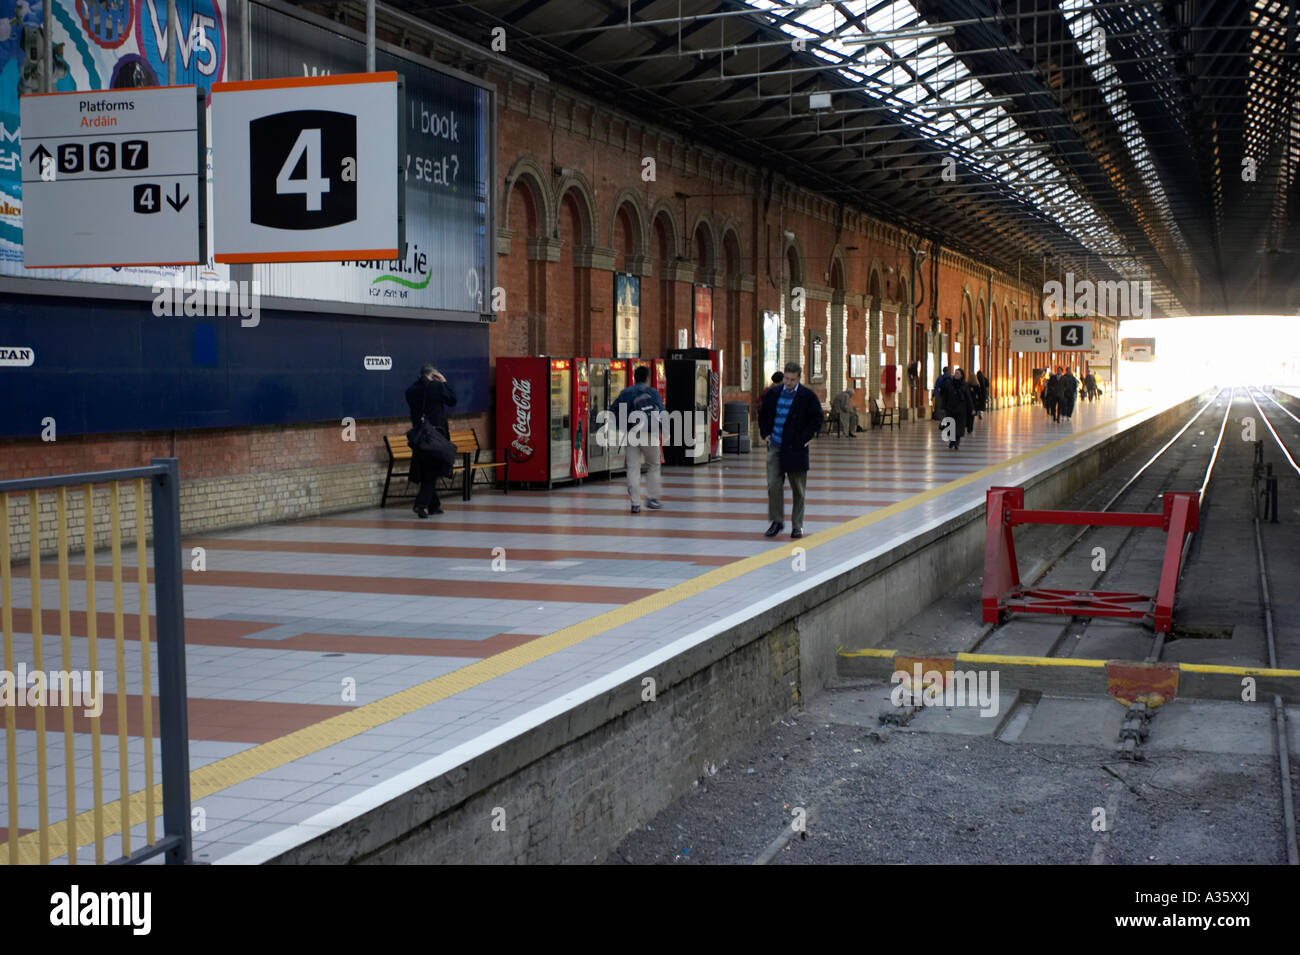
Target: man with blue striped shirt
[{"x": 789, "y": 417}]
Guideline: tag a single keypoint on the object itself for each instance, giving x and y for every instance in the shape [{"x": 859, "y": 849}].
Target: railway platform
[{"x": 360, "y": 677}]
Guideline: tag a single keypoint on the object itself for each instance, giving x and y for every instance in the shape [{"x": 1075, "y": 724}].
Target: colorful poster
[
  {"x": 97, "y": 44},
  {"x": 703, "y": 317},
  {"x": 627, "y": 316}
]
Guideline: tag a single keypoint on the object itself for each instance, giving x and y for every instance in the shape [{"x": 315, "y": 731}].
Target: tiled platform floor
[{"x": 445, "y": 648}]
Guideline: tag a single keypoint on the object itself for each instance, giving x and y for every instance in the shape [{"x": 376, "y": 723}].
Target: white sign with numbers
[
  {"x": 111, "y": 177},
  {"x": 306, "y": 169},
  {"x": 1031, "y": 336},
  {"x": 1072, "y": 336}
]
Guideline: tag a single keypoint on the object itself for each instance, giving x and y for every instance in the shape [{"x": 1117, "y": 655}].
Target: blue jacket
[{"x": 802, "y": 423}]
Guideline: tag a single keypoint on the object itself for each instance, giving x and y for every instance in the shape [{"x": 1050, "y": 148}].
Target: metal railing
[{"x": 29, "y": 786}]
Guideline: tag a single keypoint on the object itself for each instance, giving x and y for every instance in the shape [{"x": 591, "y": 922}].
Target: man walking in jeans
[{"x": 788, "y": 419}]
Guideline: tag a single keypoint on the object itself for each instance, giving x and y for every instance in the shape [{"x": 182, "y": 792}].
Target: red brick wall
[{"x": 587, "y": 159}]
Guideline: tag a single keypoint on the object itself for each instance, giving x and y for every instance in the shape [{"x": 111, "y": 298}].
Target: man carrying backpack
[{"x": 642, "y": 436}]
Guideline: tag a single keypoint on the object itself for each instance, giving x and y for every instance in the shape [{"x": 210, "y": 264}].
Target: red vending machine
[
  {"x": 619, "y": 377},
  {"x": 714, "y": 357},
  {"x": 581, "y": 411},
  {"x": 658, "y": 378},
  {"x": 534, "y": 418}
]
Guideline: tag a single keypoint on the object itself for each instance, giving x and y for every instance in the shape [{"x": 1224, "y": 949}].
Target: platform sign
[
  {"x": 1072, "y": 335},
  {"x": 111, "y": 177},
  {"x": 306, "y": 169},
  {"x": 1138, "y": 349},
  {"x": 1031, "y": 336}
]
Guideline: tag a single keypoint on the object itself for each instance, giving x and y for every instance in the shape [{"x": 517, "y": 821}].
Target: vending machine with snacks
[
  {"x": 581, "y": 391},
  {"x": 534, "y": 418}
]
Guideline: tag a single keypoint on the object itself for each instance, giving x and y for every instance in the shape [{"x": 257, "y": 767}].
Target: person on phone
[
  {"x": 789, "y": 417},
  {"x": 428, "y": 398}
]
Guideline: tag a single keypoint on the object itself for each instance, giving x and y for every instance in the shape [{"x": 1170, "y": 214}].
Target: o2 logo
[
  {"x": 302, "y": 169},
  {"x": 200, "y": 44}
]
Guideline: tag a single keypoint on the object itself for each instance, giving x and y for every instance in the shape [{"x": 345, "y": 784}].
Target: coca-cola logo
[
  {"x": 713, "y": 395},
  {"x": 521, "y": 448}
]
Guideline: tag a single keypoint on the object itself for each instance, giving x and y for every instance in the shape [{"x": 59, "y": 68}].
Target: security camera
[{"x": 789, "y": 236}]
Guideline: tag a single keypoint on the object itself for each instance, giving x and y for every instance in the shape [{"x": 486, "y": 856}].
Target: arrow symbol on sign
[
  {"x": 40, "y": 154},
  {"x": 178, "y": 203}
]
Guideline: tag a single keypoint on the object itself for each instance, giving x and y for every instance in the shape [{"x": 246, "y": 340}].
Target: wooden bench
[
  {"x": 880, "y": 417},
  {"x": 467, "y": 446}
]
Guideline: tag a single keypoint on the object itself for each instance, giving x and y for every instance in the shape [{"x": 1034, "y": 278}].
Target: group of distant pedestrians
[{"x": 955, "y": 403}]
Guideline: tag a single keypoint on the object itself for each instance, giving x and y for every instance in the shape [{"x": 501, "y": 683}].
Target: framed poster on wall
[
  {"x": 771, "y": 344},
  {"x": 703, "y": 327},
  {"x": 817, "y": 359},
  {"x": 627, "y": 316},
  {"x": 858, "y": 366}
]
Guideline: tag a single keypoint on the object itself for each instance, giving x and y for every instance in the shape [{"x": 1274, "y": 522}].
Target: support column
[
  {"x": 903, "y": 340},
  {"x": 873, "y": 349}
]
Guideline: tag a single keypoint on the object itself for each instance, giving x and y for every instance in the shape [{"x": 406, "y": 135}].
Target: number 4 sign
[
  {"x": 1072, "y": 336},
  {"x": 306, "y": 170}
]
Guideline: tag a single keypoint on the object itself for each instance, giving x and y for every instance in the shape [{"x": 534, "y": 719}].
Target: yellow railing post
[
  {"x": 65, "y": 631},
  {"x": 38, "y": 663}
]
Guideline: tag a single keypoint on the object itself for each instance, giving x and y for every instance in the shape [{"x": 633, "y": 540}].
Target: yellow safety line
[
  {"x": 38, "y": 662},
  {"x": 65, "y": 631},
  {"x": 869, "y": 652},
  {"x": 1011, "y": 659},
  {"x": 264, "y": 757}
]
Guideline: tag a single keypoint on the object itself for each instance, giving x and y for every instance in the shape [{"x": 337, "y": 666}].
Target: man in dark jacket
[
  {"x": 1069, "y": 392},
  {"x": 789, "y": 418},
  {"x": 428, "y": 399},
  {"x": 958, "y": 408}
]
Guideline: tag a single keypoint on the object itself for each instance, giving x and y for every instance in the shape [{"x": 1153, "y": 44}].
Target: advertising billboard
[
  {"x": 627, "y": 316},
  {"x": 447, "y": 171},
  {"x": 703, "y": 329}
]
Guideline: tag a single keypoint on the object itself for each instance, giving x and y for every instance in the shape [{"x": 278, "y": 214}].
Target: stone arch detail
[
  {"x": 528, "y": 171},
  {"x": 640, "y": 220},
  {"x": 577, "y": 183}
]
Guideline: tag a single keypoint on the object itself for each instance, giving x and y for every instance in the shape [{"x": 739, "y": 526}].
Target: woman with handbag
[{"x": 432, "y": 453}]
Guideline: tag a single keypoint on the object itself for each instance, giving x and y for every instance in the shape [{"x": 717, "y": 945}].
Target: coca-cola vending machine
[
  {"x": 581, "y": 392},
  {"x": 713, "y": 396},
  {"x": 658, "y": 378},
  {"x": 620, "y": 377},
  {"x": 534, "y": 418}
]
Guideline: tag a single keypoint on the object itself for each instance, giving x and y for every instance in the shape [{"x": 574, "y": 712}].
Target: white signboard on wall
[
  {"x": 111, "y": 178},
  {"x": 1031, "y": 336},
  {"x": 307, "y": 169}
]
